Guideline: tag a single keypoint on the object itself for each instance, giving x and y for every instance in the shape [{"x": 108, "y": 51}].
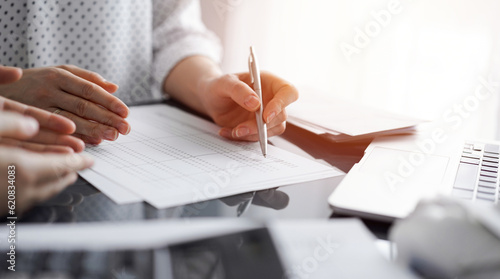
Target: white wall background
[{"x": 426, "y": 59}]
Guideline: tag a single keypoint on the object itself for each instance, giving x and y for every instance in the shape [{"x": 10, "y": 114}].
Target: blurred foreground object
[{"x": 444, "y": 238}]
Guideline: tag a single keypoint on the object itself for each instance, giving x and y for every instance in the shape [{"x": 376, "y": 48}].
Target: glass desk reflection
[{"x": 82, "y": 202}]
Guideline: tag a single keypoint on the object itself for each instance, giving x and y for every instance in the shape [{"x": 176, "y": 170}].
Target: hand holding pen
[{"x": 231, "y": 102}]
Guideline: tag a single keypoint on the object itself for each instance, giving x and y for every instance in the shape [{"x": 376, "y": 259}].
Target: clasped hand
[
  {"x": 34, "y": 176},
  {"x": 80, "y": 95}
]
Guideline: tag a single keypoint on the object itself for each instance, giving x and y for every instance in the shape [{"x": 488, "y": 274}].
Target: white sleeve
[{"x": 178, "y": 32}]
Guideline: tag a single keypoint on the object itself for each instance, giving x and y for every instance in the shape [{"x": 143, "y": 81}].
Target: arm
[{"x": 186, "y": 68}]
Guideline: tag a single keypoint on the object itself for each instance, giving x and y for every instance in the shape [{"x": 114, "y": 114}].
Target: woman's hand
[
  {"x": 36, "y": 176},
  {"x": 231, "y": 102},
  {"x": 36, "y": 129},
  {"x": 80, "y": 95},
  {"x": 15, "y": 128}
]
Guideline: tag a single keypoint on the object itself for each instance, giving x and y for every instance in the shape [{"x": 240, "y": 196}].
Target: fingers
[
  {"x": 241, "y": 93},
  {"x": 9, "y": 74},
  {"x": 248, "y": 131},
  {"x": 90, "y": 76},
  {"x": 35, "y": 147},
  {"x": 90, "y": 111},
  {"x": 50, "y": 138},
  {"x": 46, "y": 119},
  {"x": 283, "y": 95},
  {"x": 92, "y": 92},
  {"x": 92, "y": 132},
  {"x": 16, "y": 126},
  {"x": 43, "y": 175},
  {"x": 89, "y": 140},
  {"x": 57, "y": 166}
]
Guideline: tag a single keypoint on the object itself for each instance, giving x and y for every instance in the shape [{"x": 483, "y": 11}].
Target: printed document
[{"x": 173, "y": 158}]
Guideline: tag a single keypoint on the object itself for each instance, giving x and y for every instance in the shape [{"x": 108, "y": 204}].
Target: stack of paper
[
  {"x": 173, "y": 158},
  {"x": 346, "y": 121}
]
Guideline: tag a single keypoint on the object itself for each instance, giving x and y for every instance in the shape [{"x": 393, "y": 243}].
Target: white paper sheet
[
  {"x": 115, "y": 192},
  {"x": 336, "y": 248},
  {"x": 320, "y": 115},
  {"x": 173, "y": 158}
]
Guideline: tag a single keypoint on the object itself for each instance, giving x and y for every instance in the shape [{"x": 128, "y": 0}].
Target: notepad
[{"x": 173, "y": 158}]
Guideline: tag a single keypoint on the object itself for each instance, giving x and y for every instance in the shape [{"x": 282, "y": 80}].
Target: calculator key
[
  {"x": 487, "y": 184},
  {"x": 488, "y": 174},
  {"x": 477, "y": 147},
  {"x": 469, "y": 161},
  {"x": 466, "y": 176},
  {"x": 462, "y": 194},
  {"x": 490, "y": 169},
  {"x": 489, "y": 155},
  {"x": 486, "y": 190},
  {"x": 488, "y": 179},
  {"x": 486, "y": 197},
  {"x": 490, "y": 160},
  {"x": 492, "y": 148},
  {"x": 472, "y": 156},
  {"x": 489, "y": 164}
]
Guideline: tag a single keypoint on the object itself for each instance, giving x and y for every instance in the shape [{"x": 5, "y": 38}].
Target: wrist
[{"x": 190, "y": 80}]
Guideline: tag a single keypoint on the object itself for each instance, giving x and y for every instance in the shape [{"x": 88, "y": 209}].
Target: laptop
[{"x": 395, "y": 173}]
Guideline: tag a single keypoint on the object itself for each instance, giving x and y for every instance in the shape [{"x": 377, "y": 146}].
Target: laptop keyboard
[{"x": 477, "y": 175}]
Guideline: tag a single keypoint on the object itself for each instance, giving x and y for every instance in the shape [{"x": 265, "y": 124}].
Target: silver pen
[{"x": 255, "y": 79}]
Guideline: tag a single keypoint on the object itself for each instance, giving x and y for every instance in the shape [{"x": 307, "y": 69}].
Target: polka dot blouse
[{"x": 134, "y": 43}]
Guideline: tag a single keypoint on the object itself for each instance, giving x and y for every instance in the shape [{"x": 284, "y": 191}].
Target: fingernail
[
  {"x": 271, "y": 117},
  {"x": 110, "y": 134},
  {"x": 252, "y": 102},
  {"x": 30, "y": 126},
  {"x": 242, "y": 131},
  {"x": 124, "y": 128},
  {"x": 226, "y": 133}
]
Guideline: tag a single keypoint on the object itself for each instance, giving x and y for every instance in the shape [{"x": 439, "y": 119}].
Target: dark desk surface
[{"x": 81, "y": 202}]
